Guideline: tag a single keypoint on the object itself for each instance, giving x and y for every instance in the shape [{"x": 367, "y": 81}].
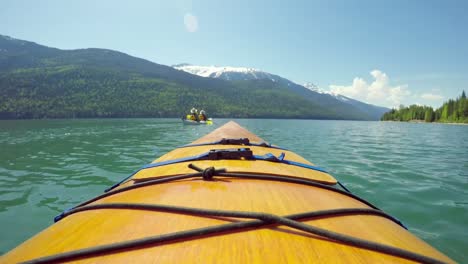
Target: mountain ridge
[
  {"x": 246, "y": 73},
  {"x": 43, "y": 82}
]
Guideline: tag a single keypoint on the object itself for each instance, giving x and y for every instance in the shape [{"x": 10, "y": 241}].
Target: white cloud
[
  {"x": 432, "y": 97},
  {"x": 191, "y": 22},
  {"x": 379, "y": 92}
]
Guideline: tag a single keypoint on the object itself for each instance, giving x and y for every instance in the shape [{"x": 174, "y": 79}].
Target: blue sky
[{"x": 382, "y": 52}]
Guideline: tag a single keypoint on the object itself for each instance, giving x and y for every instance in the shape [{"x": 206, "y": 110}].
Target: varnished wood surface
[
  {"x": 274, "y": 244},
  {"x": 263, "y": 167},
  {"x": 229, "y": 130}
]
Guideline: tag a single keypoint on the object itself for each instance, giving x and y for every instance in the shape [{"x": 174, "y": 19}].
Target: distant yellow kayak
[
  {"x": 187, "y": 121},
  {"x": 228, "y": 197}
]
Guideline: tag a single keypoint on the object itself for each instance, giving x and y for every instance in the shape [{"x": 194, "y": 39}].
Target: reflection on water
[{"x": 416, "y": 172}]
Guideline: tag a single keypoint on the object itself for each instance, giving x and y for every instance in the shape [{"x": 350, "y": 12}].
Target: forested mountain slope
[{"x": 42, "y": 82}]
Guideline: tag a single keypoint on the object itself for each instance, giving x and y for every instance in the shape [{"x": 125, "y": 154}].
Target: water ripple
[{"x": 416, "y": 172}]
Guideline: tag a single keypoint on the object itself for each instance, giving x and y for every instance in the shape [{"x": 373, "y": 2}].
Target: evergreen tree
[
  {"x": 450, "y": 111},
  {"x": 429, "y": 115},
  {"x": 445, "y": 113}
]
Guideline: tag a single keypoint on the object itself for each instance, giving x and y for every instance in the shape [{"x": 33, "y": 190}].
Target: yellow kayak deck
[{"x": 271, "y": 243}]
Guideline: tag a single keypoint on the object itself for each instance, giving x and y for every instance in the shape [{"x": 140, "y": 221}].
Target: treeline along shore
[{"x": 452, "y": 111}]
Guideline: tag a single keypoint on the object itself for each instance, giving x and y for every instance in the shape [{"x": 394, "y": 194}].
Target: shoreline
[{"x": 424, "y": 122}]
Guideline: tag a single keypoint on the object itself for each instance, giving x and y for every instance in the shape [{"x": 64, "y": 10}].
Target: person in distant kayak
[
  {"x": 194, "y": 114},
  {"x": 202, "y": 115}
]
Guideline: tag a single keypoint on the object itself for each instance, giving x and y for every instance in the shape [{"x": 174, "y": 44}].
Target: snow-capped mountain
[
  {"x": 373, "y": 110},
  {"x": 244, "y": 73},
  {"x": 227, "y": 72},
  {"x": 306, "y": 90},
  {"x": 319, "y": 90}
]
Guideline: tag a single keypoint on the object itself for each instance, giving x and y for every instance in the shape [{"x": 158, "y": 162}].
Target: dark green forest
[
  {"x": 42, "y": 82},
  {"x": 76, "y": 92},
  {"x": 452, "y": 111}
]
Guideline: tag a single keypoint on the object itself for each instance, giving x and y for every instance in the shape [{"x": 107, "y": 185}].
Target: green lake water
[{"x": 415, "y": 172}]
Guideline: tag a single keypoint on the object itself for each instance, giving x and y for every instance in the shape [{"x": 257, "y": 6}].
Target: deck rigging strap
[
  {"x": 234, "y": 141},
  {"x": 235, "y": 154},
  {"x": 262, "y": 220},
  {"x": 225, "y": 154},
  {"x": 222, "y": 173}
]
